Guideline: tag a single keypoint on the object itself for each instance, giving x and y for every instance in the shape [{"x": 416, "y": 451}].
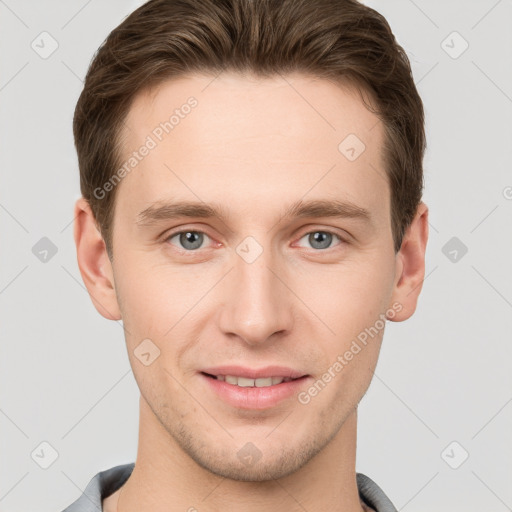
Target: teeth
[
  {"x": 263, "y": 383},
  {"x": 231, "y": 380},
  {"x": 244, "y": 382}
]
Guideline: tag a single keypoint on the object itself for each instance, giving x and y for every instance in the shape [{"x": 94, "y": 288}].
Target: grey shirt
[{"x": 108, "y": 482}]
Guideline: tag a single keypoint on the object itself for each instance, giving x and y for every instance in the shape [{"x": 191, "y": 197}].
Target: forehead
[
  {"x": 293, "y": 105},
  {"x": 250, "y": 138}
]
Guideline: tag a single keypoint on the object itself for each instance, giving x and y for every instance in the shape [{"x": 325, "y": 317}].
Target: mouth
[
  {"x": 244, "y": 388},
  {"x": 246, "y": 382}
]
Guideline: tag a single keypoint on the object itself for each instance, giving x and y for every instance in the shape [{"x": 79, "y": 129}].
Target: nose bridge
[{"x": 257, "y": 305}]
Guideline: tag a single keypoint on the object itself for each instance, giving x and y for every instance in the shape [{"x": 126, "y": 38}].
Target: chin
[
  {"x": 258, "y": 462},
  {"x": 260, "y": 471}
]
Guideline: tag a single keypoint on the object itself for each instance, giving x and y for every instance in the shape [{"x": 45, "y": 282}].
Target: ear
[
  {"x": 94, "y": 263},
  {"x": 410, "y": 265}
]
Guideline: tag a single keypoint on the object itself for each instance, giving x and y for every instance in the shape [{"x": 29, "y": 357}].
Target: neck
[{"x": 165, "y": 478}]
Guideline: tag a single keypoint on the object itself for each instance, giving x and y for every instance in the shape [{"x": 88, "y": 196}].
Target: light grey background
[{"x": 443, "y": 376}]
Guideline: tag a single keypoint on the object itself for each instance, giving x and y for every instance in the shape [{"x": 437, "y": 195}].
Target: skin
[{"x": 255, "y": 146}]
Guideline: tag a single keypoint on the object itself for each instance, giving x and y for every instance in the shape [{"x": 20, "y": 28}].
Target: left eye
[
  {"x": 321, "y": 239},
  {"x": 190, "y": 240}
]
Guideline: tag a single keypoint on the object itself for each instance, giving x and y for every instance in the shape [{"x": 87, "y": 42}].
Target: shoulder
[
  {"x": 371, "y": 494},
  {"x": 102, "y": 485}
]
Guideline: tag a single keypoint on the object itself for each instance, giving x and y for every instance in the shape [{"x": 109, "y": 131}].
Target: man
[{"x": 251, "y": 173}]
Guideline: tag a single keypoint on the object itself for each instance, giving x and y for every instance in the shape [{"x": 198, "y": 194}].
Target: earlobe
[
  {"x": 95, "y": 266},
  {"x": 410, "y": 265}
]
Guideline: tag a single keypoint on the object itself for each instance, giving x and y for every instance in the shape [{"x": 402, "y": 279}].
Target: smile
[
  {"x": 253, "y": 389},
  {"x": 245, "y": 382}
]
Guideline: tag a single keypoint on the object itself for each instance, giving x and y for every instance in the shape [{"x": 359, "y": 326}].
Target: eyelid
[{"x": 183, "y": 229}]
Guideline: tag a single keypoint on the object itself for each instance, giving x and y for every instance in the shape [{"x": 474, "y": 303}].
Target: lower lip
[{"x": 253, "y": 397}]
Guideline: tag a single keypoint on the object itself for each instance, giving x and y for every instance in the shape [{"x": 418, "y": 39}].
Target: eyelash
[{"x": 172, "y": 235}]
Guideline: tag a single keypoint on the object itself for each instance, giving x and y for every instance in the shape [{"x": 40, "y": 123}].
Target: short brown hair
[{"x": 340, "y": 40}]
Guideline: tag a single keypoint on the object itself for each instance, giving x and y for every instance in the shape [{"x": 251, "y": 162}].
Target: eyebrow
[{"x": 300, "y": 209}]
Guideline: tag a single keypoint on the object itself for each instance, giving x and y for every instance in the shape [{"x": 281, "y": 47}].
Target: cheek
[
  {"x": 151, "y": 297},
  {"x": 348, "y": 298},
  {"x": 159, "y": 304}
]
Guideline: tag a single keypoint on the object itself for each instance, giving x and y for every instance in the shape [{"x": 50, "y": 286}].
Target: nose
[{"x": 258, "y": 305}]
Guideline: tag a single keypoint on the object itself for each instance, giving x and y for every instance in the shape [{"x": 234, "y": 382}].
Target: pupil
[
  {"x": 322, "y": 238},
  {"x": 188, "y": 238}
]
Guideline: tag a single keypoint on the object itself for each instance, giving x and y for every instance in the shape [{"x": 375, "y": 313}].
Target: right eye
[{"x": 189, "y": 240}]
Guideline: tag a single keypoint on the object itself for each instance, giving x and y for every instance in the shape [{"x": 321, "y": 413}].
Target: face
[{"x": 272, "y": 285}]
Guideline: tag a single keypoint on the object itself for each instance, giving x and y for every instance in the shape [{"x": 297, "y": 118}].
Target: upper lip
[{"x": 254, "y": 373}]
